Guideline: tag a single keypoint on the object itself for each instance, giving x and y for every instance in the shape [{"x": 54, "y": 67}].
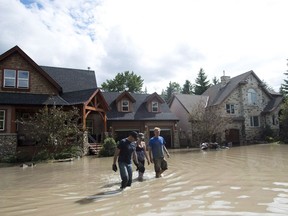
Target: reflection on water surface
[{"x": 247, "y": 180}]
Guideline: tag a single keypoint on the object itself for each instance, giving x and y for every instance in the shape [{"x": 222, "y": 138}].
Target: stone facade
[{"x": 8, "y": 145}]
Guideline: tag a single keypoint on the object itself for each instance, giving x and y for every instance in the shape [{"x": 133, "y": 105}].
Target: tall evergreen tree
[
  {"x": 187, "y": 88},
  {"x": 202, "y": 84},
  {"x": 215, "y": 81},
  {"x": 284, "y": 86},
  {"x": 172, "y": 88}
]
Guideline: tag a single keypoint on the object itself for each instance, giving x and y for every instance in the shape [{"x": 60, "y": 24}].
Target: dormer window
[
  {"x": 125, "y": 106},
  {"x": 155, "y": 106},
  {"x": 16, "y": 79}
]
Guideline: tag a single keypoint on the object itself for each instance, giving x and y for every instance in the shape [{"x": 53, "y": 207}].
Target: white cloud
[{"x": 161, "y": 40}]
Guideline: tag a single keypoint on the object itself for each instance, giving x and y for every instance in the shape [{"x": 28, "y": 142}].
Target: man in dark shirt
[{"x": 125, "y": 150}]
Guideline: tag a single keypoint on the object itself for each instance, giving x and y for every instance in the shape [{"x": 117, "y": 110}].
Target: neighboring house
[
  {"x": 246, "y": 101},
  {"x": 27, "y": 87},
  {"x": 182, "y": 105},
  {"x": 140, "y": 112}
]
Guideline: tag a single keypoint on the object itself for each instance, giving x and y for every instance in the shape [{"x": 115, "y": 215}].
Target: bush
[{"x": 108, "y": 148}]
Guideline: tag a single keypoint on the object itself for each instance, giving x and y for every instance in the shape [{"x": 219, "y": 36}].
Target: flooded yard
[{"x": 248, "y": 180}]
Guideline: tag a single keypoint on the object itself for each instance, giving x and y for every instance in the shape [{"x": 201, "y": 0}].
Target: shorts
[{"x": 160, "y": 164}]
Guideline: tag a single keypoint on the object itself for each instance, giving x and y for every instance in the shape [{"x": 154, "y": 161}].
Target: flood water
[{"x": 248, "y": 180}]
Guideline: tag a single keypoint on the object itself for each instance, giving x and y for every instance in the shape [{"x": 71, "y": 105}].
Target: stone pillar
[
  {"x": 85, "y": 143},
  {"x": 8, "y": 146}
]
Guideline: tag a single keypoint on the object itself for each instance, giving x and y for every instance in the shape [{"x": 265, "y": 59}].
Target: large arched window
[{"x": 252, "y": 96}]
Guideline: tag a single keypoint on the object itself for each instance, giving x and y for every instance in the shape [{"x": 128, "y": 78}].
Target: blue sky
[{"x": 161, "y": 40}]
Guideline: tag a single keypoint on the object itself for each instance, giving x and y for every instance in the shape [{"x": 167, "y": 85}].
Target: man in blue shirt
[
  {"x": 125, "y": 150},
  {"x": 156, "y": 152}
]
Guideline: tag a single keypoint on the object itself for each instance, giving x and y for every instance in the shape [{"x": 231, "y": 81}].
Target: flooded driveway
[{"x": 248, "y": 180}]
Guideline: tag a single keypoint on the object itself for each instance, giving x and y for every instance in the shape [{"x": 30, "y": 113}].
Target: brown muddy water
[{"x": 248, "y": 180}]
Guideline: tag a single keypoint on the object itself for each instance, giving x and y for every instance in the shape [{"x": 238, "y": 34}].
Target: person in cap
[
  {"x": 156, "y": 152},
  {"x": 124, "y": 152},
  {"x": 141, "y": 155}
]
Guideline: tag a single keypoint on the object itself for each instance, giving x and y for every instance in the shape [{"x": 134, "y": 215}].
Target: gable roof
[
  {"x": 17, "y": 49},
  {"x": 274, "y": 103},
  {"x": 189, "y": 101},
  {"x": 140, "y": 111},
  {"x": 125, "y": 94},
  {"x": 72, "y": 79},
  {"x": 218, "y": 93}
]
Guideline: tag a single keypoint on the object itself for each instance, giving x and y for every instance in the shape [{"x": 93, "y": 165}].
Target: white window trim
[
  {"x": 23, "y": 79},
  {"x": 3, "y": 120},
  {"x": 252, "y": 123},
  {"x": 125, "y": 106},
  {"x": 16, "y": 79},
  {"x": 231, "y": 109},
  {"x": 153, "y": 106}
]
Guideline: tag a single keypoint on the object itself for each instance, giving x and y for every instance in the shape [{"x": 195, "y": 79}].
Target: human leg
[
  {"x": 164, "y": 165},
  {"x": 130, "y": 172},
  {"x": 157, "y": 166},
  {"x": 123, "y": 174}
]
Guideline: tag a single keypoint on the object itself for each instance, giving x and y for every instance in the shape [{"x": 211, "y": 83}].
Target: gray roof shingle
[{"x": 140, "y": 111}]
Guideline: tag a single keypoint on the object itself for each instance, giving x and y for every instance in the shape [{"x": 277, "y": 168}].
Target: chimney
[{"x": 224, "y": 79}]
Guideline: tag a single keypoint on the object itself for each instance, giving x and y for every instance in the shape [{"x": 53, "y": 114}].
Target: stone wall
[{"x": 8, "y": 145}]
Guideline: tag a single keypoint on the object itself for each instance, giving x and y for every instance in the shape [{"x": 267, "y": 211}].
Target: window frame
[
  {"x": 252, "y": 121},
  {"x": 3, "y": 120},
  {"x": 16, "y": 79},
  {"x": 125, "y": 106},
  {"x": 153, "y": 106},
  {"x": 252, "y": 96},
  {"x": 230, "y": 108}
]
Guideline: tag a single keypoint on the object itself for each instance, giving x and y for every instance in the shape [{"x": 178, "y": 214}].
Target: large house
[
  {"x": 243, "y": 99},
  {"x": 27, "y": 87},
  {"x": 141, "y": 112}
]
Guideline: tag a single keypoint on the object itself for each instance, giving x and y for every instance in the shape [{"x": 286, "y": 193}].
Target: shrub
[{"x": 108, "y": 148}]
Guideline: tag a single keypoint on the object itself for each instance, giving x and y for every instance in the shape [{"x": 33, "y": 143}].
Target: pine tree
[
  {"x": 187, "y": 88},
  {"x": 202, "y": 84}
]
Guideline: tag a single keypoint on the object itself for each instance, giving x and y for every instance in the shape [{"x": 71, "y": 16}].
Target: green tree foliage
[
  {"x": 108, "y": 148},
  {"x": 284, "y": 122},
  {"x": 284, "y": 86},
  {"x": 172, "y": 88},
  {"x": 124, "y": 81},
  {"x": 202, "y": 84},
  {"x": 187, "y": 88},
  {"x": 215, "y": 81},
  {"x": 56, "y": 132}
]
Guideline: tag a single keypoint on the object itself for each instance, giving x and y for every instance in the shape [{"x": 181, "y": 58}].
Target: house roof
[
  {"x": 17, "y": 49},
  {"x": 72, "y": 80},
  {"x": 140, "y": 111},
  {"x": 31, "y": 99},
  {"x": 218, "y": 93},
  {"x": 189, "y": 101}
]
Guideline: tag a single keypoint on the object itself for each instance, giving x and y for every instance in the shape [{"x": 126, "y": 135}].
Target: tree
[
  {"x": 284, "y": 86},
  {"x": 215, "y": 81},
  {"x": 202, "y": 84},
  {"x": 172, "y": 88},
  {"x": 187, "y": 88},
  {"x": 56, "y": 132},
  {"x": 283, "y": 117},
  {"x": 206, "y": 124},
  {"x": 124, "y": 81}
]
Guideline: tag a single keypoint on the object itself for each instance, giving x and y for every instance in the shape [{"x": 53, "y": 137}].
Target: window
[
  {"x": 254, "y": 121},
  {"x": 2, "y": 120},
  {"x": 154, "y": 106},
  {"x": 125, "y": 105},
  {"x": 230, "y": 108},
  {"x": 16, "y": 79},
  {"x": 252, "y": 96},
  {"x": 9, "y": 78},
  {"x": 23, "y": 79}
]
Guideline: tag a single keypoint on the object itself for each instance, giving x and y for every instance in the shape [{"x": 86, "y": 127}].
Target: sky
[{"x": 161, "y": 40}]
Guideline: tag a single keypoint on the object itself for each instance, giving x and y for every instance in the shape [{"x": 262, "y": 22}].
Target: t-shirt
[
  {"x": 126, "y": 149},
  {"x": 156, "y": 144}
]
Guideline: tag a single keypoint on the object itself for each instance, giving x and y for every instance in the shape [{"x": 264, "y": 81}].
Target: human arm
[
  {"x": 150, "y": 155},
  {"x": 166, "y": 151},
  {"x": 116, "y": 154},
  {"x": 145, "y": 152}
]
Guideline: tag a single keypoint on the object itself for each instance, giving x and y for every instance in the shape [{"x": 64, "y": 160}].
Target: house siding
[{"x": 38, "y": 83}]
